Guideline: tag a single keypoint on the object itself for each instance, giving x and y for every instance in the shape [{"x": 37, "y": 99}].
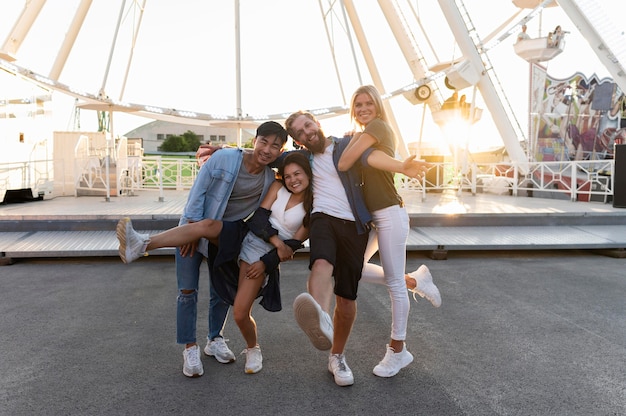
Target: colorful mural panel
[{"x": 576, "y": 118}]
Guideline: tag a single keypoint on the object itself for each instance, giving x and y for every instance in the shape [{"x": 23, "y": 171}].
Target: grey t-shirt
[{"x": 245, "y": 196}]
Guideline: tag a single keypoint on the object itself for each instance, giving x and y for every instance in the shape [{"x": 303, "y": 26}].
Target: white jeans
[{"x": 392, "y": 231}]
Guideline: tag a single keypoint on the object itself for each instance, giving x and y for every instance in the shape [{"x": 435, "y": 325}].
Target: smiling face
[
  {"x": 366, "y": 105},
  {"x": 295, "y": 178},
  {"x": 307, "y": 132},
  {"x": 267, "y": 149},
  {"x": 364, "y": 109}
]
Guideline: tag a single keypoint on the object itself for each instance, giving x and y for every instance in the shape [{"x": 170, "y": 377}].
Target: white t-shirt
[{"x": 329, "y": 195}]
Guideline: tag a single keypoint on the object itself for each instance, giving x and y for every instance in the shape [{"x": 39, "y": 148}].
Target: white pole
[{"x": 238, "y": 69}]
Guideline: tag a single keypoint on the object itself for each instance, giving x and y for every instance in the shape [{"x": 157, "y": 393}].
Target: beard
[{"x": 318, "y": 145}]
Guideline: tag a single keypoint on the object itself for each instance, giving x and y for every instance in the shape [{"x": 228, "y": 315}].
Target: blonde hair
[{"x": 373, "y": 93}]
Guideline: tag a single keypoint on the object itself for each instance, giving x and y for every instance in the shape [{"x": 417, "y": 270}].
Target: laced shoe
[
  {"x": 192, "y": 366},
  {"x": 132, "y": 244},
  {"x": 217, "y": 348},
  {"x": 393, "y": 362},
  {"x": 315, "y": 323},
  {"x": 339, "y": 368},
  {"x": 254, "y": 360},
  {"x": 424, "y": 286}
]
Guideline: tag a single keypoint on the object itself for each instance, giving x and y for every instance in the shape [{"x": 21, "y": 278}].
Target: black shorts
[{"x": 337, "y": 241}]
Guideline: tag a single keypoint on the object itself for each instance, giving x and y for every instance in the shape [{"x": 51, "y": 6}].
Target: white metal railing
[
  {"x": 159, "y": 172},
  {"x": 90, "y": 174},
  {"x": 591, "y": 178},
  {"x": 34, "y": 174},
  {"x": 136, "y": 173}
]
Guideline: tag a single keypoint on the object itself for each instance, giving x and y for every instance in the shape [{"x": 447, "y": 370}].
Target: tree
[{"x": 188, "y": 142}]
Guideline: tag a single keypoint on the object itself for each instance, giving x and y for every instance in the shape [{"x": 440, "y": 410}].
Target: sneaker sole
[
  {"x": 341, "y": 382},
  {"x": 219, "y": 360},
  {"x": 429, "y": 281},
  {"x": 121, "y": 237},
  {"x": 393, "y": 374},
  {"x": 307, "y": 317},
  {"x": 192, "y": 375},
  {"x": 344, "y": 383},
  {"x": 252, "y": 370}
]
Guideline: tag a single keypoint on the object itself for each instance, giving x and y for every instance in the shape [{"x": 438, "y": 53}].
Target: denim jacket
[
  {"x": 352, "y": 181},
  {"x": 211, "y": 190}
]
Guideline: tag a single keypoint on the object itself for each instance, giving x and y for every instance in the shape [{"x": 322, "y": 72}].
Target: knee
[
  {"x": 344, "y": 307},
  {"x": 322, "y": 266},
  {"x": 187, "y": 295},
  {"x": 241, "y": 317}
]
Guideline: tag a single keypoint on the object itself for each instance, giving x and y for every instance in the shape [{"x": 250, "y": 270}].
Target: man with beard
[{"x": 338, "y": 237}]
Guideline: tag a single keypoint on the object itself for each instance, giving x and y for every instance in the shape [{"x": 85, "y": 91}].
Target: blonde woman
[{"x": 391, "y": 223}]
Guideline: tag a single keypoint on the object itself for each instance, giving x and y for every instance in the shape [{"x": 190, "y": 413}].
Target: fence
[
  {"x": 34, "y": 174},
  {"x": 577, "y": 180}
]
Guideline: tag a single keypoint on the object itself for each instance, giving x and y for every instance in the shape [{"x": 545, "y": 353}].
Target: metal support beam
[
  {"x": 15, "y": 38},
  {"x": 70, "y": 38},
  {"x": 607, "y": 41},
  {"x": 485, "y": 84},
  {"x": 376, "y": 78}
]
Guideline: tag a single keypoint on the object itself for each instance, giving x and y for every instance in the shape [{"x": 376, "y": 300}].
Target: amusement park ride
[{"x": 469, "y": 74}]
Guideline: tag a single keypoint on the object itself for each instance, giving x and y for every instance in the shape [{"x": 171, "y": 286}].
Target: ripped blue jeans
[{"x": 188, "y": 276}]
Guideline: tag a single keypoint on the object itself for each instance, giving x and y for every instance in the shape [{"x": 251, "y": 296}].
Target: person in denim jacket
[{"x": 229, "y": 187}]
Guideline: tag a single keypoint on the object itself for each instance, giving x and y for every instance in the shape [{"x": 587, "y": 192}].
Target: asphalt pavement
[{"x": 518, "y": 333}]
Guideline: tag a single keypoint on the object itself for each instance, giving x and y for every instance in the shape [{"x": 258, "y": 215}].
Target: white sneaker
[
  {"x": 339, "y": 368},
  {"x": 132, "y": 244},
  {"x": 424, "y": 286},
  {"x": 254, "y": 360},
  {"x": 192, "y": 366},
  {"x": 217, "y": 348},
  {"x": 315, "y": 323},
  {"x": 393, "y": 362}
]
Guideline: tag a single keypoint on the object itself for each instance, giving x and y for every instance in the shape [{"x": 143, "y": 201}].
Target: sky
[{"x": 184, "y": 58}]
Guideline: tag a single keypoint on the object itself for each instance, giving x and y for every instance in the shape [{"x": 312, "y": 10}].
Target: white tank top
[{"x": 286, "y": 221}]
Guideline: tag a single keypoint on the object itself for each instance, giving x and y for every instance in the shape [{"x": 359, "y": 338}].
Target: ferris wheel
[{"x": 432, "y": 77}]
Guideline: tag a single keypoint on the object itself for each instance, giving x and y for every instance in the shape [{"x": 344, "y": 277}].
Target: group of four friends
[{"x": 338, "y": 193}]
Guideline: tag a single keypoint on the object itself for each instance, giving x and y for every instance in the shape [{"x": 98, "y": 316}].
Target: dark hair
[
  {"x": 271, "y": 127},
  {"x": 301, "y": 160}
]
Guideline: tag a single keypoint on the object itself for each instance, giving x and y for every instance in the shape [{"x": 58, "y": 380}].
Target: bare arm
[
  {"x": 302, "y": 234},
  {"x": 271, "y": 195},
  {"x": 204, "y": 152},
  {"x": 358, "y": 144},
  {"x": 284, "y": 251},
  {"x": 409, "y": 167}
]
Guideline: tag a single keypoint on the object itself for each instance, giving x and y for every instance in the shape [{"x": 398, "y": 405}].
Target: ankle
[
  {"x": 410, "y": 282},
  {"x": 396, "y": 346}
]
